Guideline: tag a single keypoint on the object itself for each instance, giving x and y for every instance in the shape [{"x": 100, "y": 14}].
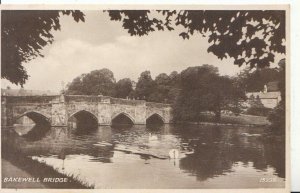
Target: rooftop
[{"x": 267, "y": 95}]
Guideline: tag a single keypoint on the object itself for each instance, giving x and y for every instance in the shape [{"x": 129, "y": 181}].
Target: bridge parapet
[
  {"x": 87, "y": 98},
  {"x": 127, "y": 102},
  {"x": 29, "y": 99},
  {"x": 157, "y": 105}
]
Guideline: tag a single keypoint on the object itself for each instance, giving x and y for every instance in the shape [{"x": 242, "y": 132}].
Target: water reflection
[
  {"x": 205, "y": 153},
  {"x": 37, "y": 132}
]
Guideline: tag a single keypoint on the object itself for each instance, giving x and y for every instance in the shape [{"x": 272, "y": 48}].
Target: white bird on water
[
  {"x": 174, "y": 154},
  {"x": 152, "y": 137}
]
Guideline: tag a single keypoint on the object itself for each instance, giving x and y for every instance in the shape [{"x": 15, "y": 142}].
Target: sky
[{"x": 100, "y": 43}]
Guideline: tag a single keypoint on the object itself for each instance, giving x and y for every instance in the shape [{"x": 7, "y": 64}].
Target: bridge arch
[
  {"x": 122, "y": 119},
  {"x": 37, "y": 117},
  {"x": 82, "y": 119},
  {"x": 155, "y": 118}
]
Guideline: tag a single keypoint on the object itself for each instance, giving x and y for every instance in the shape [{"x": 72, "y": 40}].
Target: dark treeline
[
  {"x": 192, "y": 92},
  {"x": 163, "y": 89}
]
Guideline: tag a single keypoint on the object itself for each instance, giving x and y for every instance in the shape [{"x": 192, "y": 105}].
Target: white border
[{"x": 295, "y": 67}]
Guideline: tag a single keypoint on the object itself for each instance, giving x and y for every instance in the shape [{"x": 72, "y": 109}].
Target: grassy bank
[
  {"x": 41, "y": 170},
  {"x": 242, "y": 119}
]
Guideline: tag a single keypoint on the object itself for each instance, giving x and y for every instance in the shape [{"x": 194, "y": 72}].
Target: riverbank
[
  {"x": 240, "y": 120},
  {"x": 244, "y": 121},
  {"x": 20, "y": 171}
]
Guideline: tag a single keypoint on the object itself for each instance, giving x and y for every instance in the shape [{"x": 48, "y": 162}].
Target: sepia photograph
[{"x": 145, "y": 97}]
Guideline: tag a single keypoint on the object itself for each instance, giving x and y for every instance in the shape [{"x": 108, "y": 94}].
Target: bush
[
  {"x": 258, "y": 111},
  {"x": 277, "y": 118}
]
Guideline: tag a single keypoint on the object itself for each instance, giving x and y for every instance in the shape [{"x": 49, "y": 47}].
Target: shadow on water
[
  {"x": 218, "y": 150},
  {"x": 84, "y": 129},
  {"x": 154, "y": 126},
  {"x": 38, "y": 132},
  {"x": 121, "y": 126}
]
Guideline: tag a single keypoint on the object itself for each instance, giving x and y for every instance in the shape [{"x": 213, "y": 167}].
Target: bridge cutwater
[{"x": 59, "y": 109}]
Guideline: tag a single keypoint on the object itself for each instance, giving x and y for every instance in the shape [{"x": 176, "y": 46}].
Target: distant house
[
  {"x": 269, "y": 97},
  {"x": 24, "y": 92}
]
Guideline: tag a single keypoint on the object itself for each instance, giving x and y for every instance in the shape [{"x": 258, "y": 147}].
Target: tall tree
[
  {"x": 278, "y": 114},
  {"x": 123, "y": 88},
  {"x": 162, "y": 88},
  {"x": 166, "y": 88},
  {"x": 24, "y": 33},
  {"x": 97, "y": 82},
  {"x": 76, "y": 87},
  {"x": 223, "y": 96},
  {"x": 254, "y": 81},
  {"x": 193, "y": 84},
  {"x": 174, "y": 90},
  {"x": 145, "y": 86},
  {"x": 203, "y": 89}
]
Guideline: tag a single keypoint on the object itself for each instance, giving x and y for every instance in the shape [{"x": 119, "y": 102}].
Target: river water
[{"x": 139, "y": 157}]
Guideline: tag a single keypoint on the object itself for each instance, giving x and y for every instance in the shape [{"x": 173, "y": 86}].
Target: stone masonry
[{"x": 59, "y": 108}]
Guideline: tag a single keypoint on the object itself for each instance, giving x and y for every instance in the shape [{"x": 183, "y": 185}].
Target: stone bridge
[{"x": 58, "y": 110}]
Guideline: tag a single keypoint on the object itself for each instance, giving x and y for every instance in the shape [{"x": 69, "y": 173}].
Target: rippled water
[{"x": 139, "y": 157}]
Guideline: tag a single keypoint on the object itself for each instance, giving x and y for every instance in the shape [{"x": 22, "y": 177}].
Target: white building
[{"x": 269, "y": 97}]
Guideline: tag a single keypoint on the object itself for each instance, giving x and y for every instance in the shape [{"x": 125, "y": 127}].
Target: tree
[
  {"x": 162, "y": 88},
  {"x": 123, "y": 88},
  {"x": 281, "y": 84},
  {"x": 277, "y": 115},
  {"x": 223, "y": 96},
  {"x": 97, "y": 82},
  {"x": 254, "y": 81},
  {"x": 166, "y": 88},
  {"x": 175, "y": 87},
  {"x": 203, "y": 89},
  {"x": 145, "y": 86},
  {"x": 193, "y": 81},
  {"x": 251, "y": 37},
  {"x": 76, "y": 87},
  {"x": 277, "y": 118},
  {"x": 174, "y": 77},
  {"x": 24, "y": 34},
  {"x": 256, "y": 107}
]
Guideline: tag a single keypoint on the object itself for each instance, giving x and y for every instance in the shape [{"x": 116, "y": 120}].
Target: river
[{"x": 139, "y": 157}]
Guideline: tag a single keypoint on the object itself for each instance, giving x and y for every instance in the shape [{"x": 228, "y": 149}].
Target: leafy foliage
[
  {"x": 145, "y": 86},
  {"x": 277, "y": 118},
  {"x": 138, "y": 22},
  {"x": 257, "y": 108},
  {"x": 277, "y": 115},
  {"x": 251, "y": 37},
  {"x": 166, "y": 88},
  {"x": 255, "y": 81},
  {"x": 97, "y": 82},
  {"x": 24, "y": 34},
  {"x": 202, "y": 90},
  {"x": 123, "y": 88}
]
